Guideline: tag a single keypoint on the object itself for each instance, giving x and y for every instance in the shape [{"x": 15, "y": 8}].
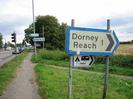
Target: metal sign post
[
  {"x": 70, "y": 70},
  {"x": 106, "y": 69}
]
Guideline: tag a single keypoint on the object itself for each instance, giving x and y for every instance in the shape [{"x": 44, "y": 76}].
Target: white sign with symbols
[
  {"x": 39, "y": 39},
  {"x": 83, "y": 61}
]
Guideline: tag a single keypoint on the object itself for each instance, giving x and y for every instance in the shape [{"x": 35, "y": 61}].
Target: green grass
[
  {"x": 95, "y": 67},
  {"x": 8, "y": 71},
  {"x": 59, "y": 58},
  {"x": 52, "y": 55},
  {"x": 112, "y": 69},
  {"x": 117, "y": 60},
  {"x": 53, "y": 84}
]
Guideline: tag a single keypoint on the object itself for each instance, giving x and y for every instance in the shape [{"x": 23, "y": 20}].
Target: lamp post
[
  {"x": 43, "y": 35},
  {"x": 33, "y": 26}
]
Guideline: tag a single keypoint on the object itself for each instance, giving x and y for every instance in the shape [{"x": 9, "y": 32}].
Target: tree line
[{"x": 54, "y": 32}]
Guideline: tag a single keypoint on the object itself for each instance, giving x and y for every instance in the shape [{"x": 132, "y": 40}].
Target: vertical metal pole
[
  {"x": 108, "y": 24},
  {"x": 43, "y": 35},
  {"x": 34, "y": 26},
  {"x": 15, "y": 44},
  {"x": 5, "y": 44},
  {"x": 70, "y": 70},
  {"x": 106, "y": 69}
]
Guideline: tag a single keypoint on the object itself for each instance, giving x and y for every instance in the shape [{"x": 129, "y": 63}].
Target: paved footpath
[{"x": 23, "y": 86}]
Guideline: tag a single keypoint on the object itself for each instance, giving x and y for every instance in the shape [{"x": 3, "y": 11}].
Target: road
[{"x": 5, "y": 56}]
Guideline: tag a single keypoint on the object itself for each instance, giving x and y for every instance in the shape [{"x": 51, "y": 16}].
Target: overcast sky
[{"x": 16, "y": 15}]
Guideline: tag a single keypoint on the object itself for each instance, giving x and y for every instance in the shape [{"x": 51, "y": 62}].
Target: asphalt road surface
[
  {"x": 23, "y": 86},
  {"x": 5, "y": 56}
]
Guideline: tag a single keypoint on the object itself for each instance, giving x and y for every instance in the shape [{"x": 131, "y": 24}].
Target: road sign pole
[
  {"x": 70, "y": 78},
  {"x": 106, "y": 69},
  {"x": 70, "y": 70}
]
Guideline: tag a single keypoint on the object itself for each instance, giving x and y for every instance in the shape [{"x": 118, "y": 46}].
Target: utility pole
[
  {"x": 34, "y": 26},
  {"x": 43, "y": 35}
]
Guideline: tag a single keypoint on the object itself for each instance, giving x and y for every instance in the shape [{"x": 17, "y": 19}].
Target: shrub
[
  {"x": 53, "y": 55},
  {"x": 57, "y": 55},
  {"x": 119, "y": 60}
]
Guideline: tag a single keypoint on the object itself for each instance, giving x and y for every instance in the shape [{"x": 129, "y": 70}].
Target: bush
[
  {"x": 122, "y": 60},
  {"x": 118, "y": 60},
  {"x": 57, "y": 55},
  {"x": 53, "y": 55}
]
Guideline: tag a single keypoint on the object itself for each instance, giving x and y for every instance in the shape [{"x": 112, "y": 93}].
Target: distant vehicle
[
  {"x": 22, "y": 49},
  {"x": 18, "y": 50},
  {"x": 9, "y": 48}
]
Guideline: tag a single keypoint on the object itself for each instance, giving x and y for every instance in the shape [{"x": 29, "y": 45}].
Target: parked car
[
  {"x": 17, "y": 51},
  {"x": 9, "y": 48}
]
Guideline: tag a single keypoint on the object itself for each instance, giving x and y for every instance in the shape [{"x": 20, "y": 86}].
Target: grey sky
[{"x": 16, "y": 15}]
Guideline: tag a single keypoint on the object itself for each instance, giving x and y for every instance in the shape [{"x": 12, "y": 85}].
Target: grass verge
[
  {"x": 121, "y": 65},
  {"x": 53, "y": 84},
  {"x": 8, "y": 71},
  {"x": 95, "y": 67}
]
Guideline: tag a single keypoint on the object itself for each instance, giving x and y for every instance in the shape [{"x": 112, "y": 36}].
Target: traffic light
[{"x": 13, "y": 37}]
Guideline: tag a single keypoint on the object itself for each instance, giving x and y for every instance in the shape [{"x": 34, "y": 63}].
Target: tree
[
  {"x": 54, "y": 32},
  {"x": 24, "y": 43},
  {"x": 1, "y": 42},
  {"x": 10, "y": 44},
  {"x": 61, "y": 43},
  {"x": 28, "y": 31}
]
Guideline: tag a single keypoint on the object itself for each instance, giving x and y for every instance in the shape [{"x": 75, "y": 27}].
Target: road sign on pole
[
  {"x": 90, "y": 41},
  {"x": 34, "y": 35},
  {"x": 83, "y": 61},
  {"x": 40, "y": 39}
]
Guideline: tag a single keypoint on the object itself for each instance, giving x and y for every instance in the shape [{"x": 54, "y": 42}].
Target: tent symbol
[{"x": 77, "y": 59}]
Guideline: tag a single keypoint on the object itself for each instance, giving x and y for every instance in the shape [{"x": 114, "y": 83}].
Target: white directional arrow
[
  {"x": 90, "y": 41},
  {"x": 83, "y": 61}
]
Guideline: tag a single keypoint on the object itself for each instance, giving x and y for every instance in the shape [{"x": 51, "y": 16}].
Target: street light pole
[
  {"x": 34, "y": 26},
  {"x": 43, "y": 35}
]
